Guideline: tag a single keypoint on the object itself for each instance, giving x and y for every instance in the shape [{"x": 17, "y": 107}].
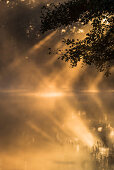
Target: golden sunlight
[{"x": 50, "y": 94}]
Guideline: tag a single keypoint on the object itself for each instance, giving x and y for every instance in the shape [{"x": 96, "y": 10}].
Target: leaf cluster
[
  {"x": 63, "y": 14},
  {"x": 96, "y": 49}
]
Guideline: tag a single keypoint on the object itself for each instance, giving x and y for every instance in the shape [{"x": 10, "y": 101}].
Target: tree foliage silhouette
[
  {"x": 56, "y": 15},
  {"x": 98, "y": 47}
]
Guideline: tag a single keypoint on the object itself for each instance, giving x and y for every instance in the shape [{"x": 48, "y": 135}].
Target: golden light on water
[
  {"x": 39, "y": 130},
  {"x": 46, "y": 94},
  {"x": 77, "y": 126},
  {"x": 112, "y": 133},
  {"x": 50, "y": 94},
  {"x": 104, "y": 151}
]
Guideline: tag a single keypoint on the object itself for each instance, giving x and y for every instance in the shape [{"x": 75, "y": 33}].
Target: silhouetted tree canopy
[
  {"x": 98, "y": 47},
  {"x": 57, "y": 15}
]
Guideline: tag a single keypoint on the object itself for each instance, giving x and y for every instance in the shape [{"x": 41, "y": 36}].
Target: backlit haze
[{"x": 47, "y": 108}]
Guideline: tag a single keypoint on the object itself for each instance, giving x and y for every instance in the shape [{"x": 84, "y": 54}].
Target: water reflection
[{"x": 57, "y": 132}]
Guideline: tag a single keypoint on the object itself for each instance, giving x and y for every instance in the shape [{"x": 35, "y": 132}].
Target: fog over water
[{"x": 50, "y": 114}]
